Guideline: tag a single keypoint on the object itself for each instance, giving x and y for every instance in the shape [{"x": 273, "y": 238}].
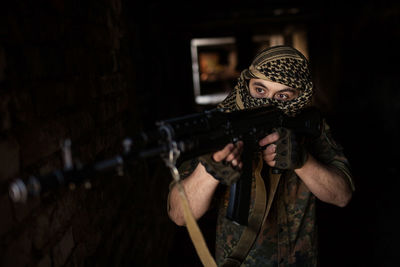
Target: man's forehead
[{"x": 271, "y": 84}]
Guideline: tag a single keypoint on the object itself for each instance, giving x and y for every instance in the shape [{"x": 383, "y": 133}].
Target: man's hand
[
  {"x": 283, "y": 150},
  {"x": 224, "y": 165},
  {"x": 230, "y": 154}
]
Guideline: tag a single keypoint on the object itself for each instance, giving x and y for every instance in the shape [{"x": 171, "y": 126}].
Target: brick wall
[{"x": 66, "y": 71}]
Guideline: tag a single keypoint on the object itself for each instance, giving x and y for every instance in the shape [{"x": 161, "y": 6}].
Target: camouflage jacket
[{"x": 289, "y": 235}]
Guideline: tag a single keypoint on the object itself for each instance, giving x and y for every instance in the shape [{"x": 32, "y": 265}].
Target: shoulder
[
  {"x": 328, "y": 150},
  {"x": 327, "y": 136}
]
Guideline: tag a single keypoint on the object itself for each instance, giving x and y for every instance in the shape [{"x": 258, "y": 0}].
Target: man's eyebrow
[
  {"x": 289, "y": 89},
  {"x": 260, "y": 84}
]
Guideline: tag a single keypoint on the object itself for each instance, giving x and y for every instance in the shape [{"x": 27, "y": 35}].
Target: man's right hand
[
  {"x": 225, "y": 164},
  {"x": 230, "y": 154}
]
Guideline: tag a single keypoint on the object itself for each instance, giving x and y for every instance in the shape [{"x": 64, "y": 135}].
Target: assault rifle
[{"x": 183, "y": 138}]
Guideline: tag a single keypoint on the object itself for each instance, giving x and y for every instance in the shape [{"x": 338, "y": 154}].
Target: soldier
[{"x": 310, "y": 169}]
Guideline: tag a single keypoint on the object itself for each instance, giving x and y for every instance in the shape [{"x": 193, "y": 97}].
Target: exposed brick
[
  {"x": 106, "y": 109},
  {"x": 50, "y": 164},
  {"x": 22, "y": 211},
  {"x": 23, "y": 107},
  {"x": 51, "y": 97},
  {"x": 51, "y": 30},
  {"x": 35, "y": 63},
  {"x": 80, "y": 123},
  {"x": 7, "y": 220},
  {"x": 80, "y": 226},
  {"x": 9, "y": 158},
  {"x": 64, "y": 208},
  {"x": 5, "y": 118},
  {"x": 106, "y": 63},
  {"x": 62, "y": 76},
  {"x": 13, "y": 32},
  {"x": 99, "y": 35},
  {"x": 85, "y": 90},
  {"x": 45, "y": 262},
  {"x": 41, "y": 141},
  {"x": 63, "y": 249},
  {"x": 77, "y": 62},
  {"x": 107, "y": 142},
  {"x": 18, "y": 251},
  {"x": 3, "y": 64},
  {"x": 93, "y": 241},
  {"x": 40, "y": 234},
  {"x": 110, "y": 84},
  {"x": 116, "y": 6},
  {"x": 89, "y": 61},
  {"x": 78, "y": 256}
]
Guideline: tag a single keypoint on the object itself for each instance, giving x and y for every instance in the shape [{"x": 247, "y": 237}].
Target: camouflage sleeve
[{"x": 328, "y": 151}]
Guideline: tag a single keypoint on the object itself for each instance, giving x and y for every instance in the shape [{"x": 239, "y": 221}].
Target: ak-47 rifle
[{"x": 185, "y": 137}]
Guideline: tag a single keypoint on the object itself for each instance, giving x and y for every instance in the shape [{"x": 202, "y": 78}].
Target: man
[{"x": 311, "y": 169}]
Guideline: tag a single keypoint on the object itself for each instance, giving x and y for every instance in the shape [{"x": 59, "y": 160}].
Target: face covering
[{"x": 281, "y": 64}]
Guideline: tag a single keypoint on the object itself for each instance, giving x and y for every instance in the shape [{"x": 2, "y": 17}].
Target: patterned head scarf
[{"x": 281, "y": 64}]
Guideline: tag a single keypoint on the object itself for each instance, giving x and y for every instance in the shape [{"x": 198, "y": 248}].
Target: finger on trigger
[
  {"x": 271, "y": 149},
  {"x": 230, "y": 157},
  {"x": 269, "y": 139},
  {"x": 222, "y": 154},
  {"x": 235, "y": 153}
]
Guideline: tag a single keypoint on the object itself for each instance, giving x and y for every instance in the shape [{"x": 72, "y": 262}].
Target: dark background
[{"x": 98, "y": 71}]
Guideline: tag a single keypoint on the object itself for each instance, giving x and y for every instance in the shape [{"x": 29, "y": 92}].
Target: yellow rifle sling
[{"x": 194, "y": 231}]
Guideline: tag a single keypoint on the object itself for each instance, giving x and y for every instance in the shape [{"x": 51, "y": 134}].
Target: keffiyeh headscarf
[{"x": 281, "y": 64}]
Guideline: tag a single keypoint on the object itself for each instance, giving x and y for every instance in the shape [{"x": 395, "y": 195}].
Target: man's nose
[{"x": 269, "y": 95}]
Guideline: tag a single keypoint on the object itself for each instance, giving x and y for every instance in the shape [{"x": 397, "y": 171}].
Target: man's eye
[
  {"x": 260, "y": 90},
  {"x": 282, "y": 97}
]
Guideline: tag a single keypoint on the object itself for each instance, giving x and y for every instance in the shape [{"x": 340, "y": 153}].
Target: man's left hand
[{"x": 283, "y": 151}]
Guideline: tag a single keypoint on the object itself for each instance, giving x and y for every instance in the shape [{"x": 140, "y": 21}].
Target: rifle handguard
[
  {"x": 290, "y": 154},
  {"x": 224, "y": 173}
]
